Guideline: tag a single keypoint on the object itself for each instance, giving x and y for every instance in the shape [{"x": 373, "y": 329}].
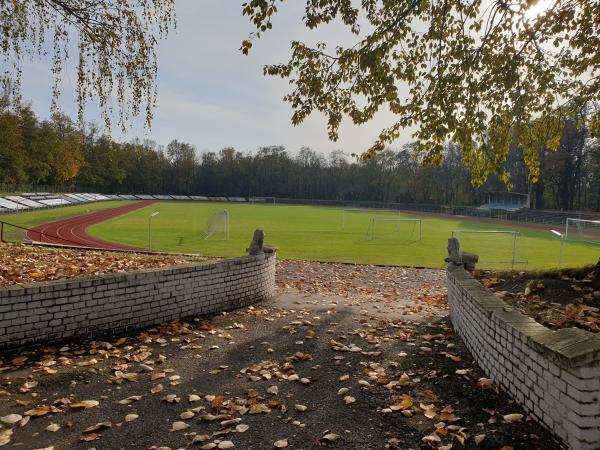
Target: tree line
[{"x": 57, "y": 152}]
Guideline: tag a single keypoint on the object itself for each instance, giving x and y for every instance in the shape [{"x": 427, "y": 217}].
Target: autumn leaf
[
  {"x": 510, "y": 418},
  {"x": 11, "y": 419},
  {"x": 178, "y": 426},
  {"x": 97, "y": 427},
  {"x": 84, "y": 404},
  {"x": 39, "y": 411},
  {"x": 5, "y": 436},
  {"x": 156, "y": 389}
]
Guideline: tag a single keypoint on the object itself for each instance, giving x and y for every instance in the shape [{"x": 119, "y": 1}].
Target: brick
[
  {"x": 555, "y": 376},
  {"x": 110, "y": 303}
]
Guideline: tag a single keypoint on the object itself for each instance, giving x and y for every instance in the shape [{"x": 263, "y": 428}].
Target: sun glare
[{"x": 539, "y": 8}]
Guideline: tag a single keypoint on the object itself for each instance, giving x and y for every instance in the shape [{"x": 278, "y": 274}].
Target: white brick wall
[
  {"x": 554, "y": 375},
  {"x": 107, "y": 304}
]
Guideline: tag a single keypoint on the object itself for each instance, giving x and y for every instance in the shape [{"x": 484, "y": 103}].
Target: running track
[{"x": 71, "y": 231}]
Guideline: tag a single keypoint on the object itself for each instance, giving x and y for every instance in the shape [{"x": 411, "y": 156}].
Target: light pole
[
  {"x": 562, "y": 241},
  {"x": 154, "y": 214}
]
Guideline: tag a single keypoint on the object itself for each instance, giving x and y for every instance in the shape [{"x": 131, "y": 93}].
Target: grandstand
[
  {"x": 38, "y": 200},
  {"x": 55, "y": 201},
  {"x": 25, "y": 202},
  {"x": 10, "y": 205},
  {"x": 506, "y": 201},
  {"x": 75, "y": 198}
]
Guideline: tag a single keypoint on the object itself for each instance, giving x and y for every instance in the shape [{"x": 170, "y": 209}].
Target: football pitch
[{"x": 340, "y": 235}]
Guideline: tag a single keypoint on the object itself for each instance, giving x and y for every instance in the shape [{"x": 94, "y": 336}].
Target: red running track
[{"x": 71, "y": 231}]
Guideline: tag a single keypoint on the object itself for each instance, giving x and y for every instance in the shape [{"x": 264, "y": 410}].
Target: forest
[{"x": 56, "y": 154}]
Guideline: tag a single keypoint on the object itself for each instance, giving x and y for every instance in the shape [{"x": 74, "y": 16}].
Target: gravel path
[{"x": 345, "y": 357}]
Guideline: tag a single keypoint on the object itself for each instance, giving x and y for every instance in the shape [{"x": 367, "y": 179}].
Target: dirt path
[
  {"x": 72, "y": 231},
  {"x": 273, "y": 373}
]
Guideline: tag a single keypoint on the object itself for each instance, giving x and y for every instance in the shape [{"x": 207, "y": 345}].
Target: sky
[{"x": 212, "y": 96}]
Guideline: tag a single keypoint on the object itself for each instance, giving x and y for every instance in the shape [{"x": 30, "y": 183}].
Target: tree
[
  {"x": 102, "y": 169},
  {"x": 473, "y": 72},
  {"x": 115, "y": 42},
  {"x": 182, "y": 157},
  {"x": 11, "y": 149},
  {"x": 62, "y": 142}
]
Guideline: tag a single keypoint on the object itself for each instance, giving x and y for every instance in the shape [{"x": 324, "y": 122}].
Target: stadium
[
  {"x": 411, "y": 235},
  {"x": 392, "y": 244}
]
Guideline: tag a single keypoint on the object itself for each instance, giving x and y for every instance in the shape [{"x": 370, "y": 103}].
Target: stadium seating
[
  {"x": 504, "y": 206},
  {"x": 74, "y": 198},
  {"x": 24, "y": 201},
  {"x": 55, "y": 202},
  {"x": 38, "y": 200},
  {"x": 10, "y": 205}
]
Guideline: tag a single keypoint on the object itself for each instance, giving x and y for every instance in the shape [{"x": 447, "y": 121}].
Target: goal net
[
  {"x": 346, "y": 215},
  {"x": 217, "y": 225},
  {"x": 496, "y": 249},
  {"x": 583, "y": 231},
  {"x": 404, "y": 229},
  {"x": 358, "y": 217}
]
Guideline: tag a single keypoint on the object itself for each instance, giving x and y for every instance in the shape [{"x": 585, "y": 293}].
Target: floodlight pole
[
  {"x": 562, "y": 241},
  {"x": 226, "y": 219},
  {"x": 154, "y": 214},
  {"x": 514, "y": 249}
]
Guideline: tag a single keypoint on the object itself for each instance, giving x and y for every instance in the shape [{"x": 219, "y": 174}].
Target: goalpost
[
  {"x": 349, "y": 211},
  {"x": 495, "y": 248},
  {"x": 218, "y": 223},
  {"x": 413, "y": 231},
  {"x": 582, "y": 230}
]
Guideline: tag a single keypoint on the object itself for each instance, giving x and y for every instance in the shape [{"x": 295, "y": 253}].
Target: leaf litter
[{"x": 392, "y": 368}]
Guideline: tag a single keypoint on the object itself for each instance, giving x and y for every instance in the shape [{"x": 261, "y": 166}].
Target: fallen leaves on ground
[
  {"x": 570, "y": 298},
  {"x": 384, "y": 368},
  {"x": 22, "y": 263}
]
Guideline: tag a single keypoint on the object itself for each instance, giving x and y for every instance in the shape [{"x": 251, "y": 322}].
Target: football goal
[
  {"x": 355, "y": 216},
  {"x": 217, "y": 225},
  {"x": 347, "y": 212},
  {"x": 496, "y": 249},
  {"x": 405, "y": 229},
  {"x": 583, "y": 231}
]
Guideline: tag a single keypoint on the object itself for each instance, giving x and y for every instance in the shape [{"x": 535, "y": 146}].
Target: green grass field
[{"x": 329, "y": 234}]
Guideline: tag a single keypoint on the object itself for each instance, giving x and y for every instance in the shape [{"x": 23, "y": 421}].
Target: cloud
[
  {"x": 212, "y": 96},
  {"x": 174, "y": 106}
]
